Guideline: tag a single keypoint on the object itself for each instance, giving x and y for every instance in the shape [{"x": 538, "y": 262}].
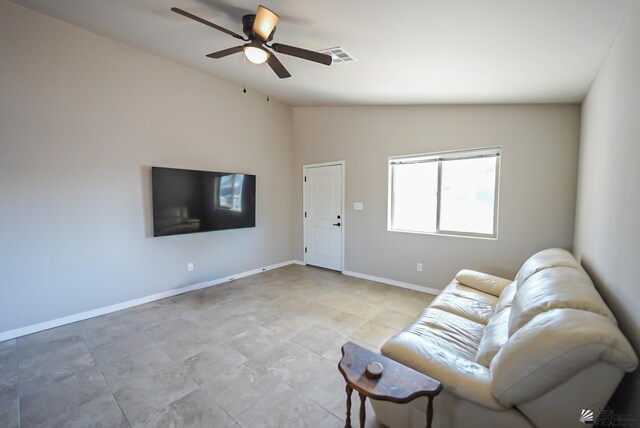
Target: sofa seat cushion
[
  {"x": 458, "y": 335},
  {"x": 495, "y": 335},
  {"x": 433, "y": 355},
  {"x": 466, "y": 302},
  {"x": 559, "y": 287}
]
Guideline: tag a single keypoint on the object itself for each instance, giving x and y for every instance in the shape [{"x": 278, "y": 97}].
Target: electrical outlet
[
  {"x": 419, "y": 267},
  {"x": 190, "y": 267}
]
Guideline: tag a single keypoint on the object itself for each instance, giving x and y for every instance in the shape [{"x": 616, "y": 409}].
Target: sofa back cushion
[
  {"x": 495, "y": 335},
  {"x": 506, "y": 297},
  {"x": 552, "y": 288},
  {"x": 545, "y": 259}
]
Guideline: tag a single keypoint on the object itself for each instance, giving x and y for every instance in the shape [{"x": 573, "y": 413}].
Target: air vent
[{"x": 338, "y": 55}]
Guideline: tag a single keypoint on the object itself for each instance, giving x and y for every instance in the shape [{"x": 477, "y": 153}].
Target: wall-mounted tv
[{"x": 188, "y": 201}]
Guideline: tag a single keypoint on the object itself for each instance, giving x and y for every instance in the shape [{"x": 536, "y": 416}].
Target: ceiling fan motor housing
[{"x": 247, "y": 28}]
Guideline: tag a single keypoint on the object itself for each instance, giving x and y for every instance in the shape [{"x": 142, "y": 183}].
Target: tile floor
[{"x": 258, "y": 352}]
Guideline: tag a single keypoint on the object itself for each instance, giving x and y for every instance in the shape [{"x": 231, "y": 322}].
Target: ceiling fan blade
[
  {"x": 302, "y": 53},
  {"x": 264, "y": 23},
  {"x": 226, "y": 52},
  {"x": 205, "y": 22},
  {"x": 277, "y": 67}
]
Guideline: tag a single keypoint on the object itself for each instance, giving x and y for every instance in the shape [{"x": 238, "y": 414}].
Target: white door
[{"x": 323, "y": 220}]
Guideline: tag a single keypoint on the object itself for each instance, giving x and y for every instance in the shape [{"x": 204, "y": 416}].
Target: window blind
[{"x": 445, "y": 156}]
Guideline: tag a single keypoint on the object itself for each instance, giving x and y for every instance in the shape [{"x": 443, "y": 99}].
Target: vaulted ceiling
[{"x": 407, "y": 52}]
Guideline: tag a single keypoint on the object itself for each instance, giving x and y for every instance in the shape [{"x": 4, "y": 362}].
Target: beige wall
[
  {"x": 608, "y": 209},
  {"x": 81, "y": 117},
  {"x": 537, "y": 190}
]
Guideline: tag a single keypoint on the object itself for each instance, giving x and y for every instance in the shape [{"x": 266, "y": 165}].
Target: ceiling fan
[{"x": 259, "y": 30}]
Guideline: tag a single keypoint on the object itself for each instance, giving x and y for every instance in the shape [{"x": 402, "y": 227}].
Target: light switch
[{"x": 357, "y": 206}]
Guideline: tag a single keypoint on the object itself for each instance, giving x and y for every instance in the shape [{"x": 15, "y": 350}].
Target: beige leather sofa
[{"x": 535, "y": 351}]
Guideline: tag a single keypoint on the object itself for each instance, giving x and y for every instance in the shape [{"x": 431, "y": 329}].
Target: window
[{"x": 450, "y": 193}]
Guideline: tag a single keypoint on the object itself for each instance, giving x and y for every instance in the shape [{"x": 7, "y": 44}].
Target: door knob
[{"x": 336, "y": 224}]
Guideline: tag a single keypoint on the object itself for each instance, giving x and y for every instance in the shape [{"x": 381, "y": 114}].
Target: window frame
[{"x": 440, "y": 157}]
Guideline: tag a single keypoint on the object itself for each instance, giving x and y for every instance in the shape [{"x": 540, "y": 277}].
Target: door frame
[{"x": 304, "y": 204}]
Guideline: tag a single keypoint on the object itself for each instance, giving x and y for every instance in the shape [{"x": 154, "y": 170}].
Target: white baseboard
[
  {"x": 34, "y": 328},
  {"x": 393, "y": 282},
  {"x": 22, "y": 331}
]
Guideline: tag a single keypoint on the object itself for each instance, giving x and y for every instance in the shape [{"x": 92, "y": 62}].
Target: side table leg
[
  {"x": 362, "y": 410},
  {"x": 348, "y": 422},
  {"x": 429, "y": 412}
]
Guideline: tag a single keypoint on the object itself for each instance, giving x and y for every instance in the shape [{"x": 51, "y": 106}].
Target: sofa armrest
[
  {"x": 552, "y": 348},
  {"x": 482, "y": 281},
  {"x": 461, "y": 377}
]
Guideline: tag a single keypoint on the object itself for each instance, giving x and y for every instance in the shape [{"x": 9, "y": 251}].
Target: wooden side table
[{"x": 398, "y": 383}]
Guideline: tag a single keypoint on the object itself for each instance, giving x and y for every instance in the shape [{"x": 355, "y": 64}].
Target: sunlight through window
[{"x": 450, "y": 193}]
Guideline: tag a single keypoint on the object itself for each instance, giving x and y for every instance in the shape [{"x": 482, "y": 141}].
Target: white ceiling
[{"x": 407, "y": 52}]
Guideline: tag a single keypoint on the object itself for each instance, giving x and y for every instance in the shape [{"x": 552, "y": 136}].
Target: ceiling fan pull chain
[
  {"x": 244, "y": 74},
  {"x": 266, "y": 79}
]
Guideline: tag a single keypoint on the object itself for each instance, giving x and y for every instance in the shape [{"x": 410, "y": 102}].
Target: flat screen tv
[{"x": 187, "y": 201}]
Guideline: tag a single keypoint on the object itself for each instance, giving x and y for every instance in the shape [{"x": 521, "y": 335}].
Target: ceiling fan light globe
[{"x": 256, "y": 55}]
